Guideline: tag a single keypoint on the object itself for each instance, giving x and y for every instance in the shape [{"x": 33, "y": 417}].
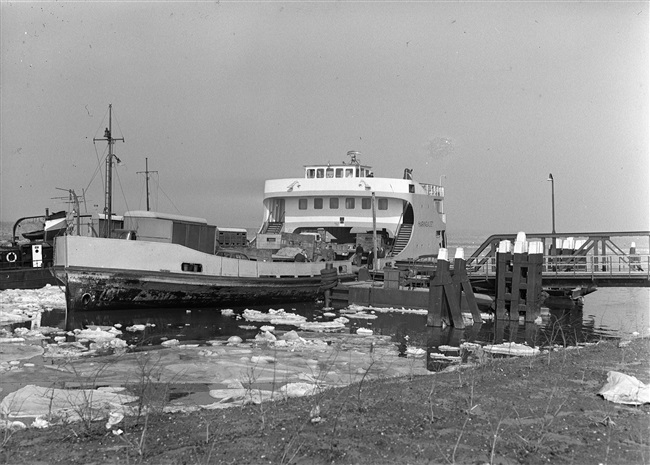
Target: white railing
[
  {"x": 432, "y": 189},
  {"x": 591, "y": 265}
]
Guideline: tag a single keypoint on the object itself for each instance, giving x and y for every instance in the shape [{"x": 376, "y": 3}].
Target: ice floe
[
  {"x": 511, "y": 348},
  {"x": 71, "y": 404}
]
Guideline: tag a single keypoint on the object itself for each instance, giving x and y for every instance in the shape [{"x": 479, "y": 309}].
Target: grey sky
[{"x": 221, "y": 96}]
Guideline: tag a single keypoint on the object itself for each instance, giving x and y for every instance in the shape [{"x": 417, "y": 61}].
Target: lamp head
[{"x": 550, "y": 177}]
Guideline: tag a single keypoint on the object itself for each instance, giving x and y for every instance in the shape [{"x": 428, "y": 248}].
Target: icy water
[{"x": 606, "y": 313}]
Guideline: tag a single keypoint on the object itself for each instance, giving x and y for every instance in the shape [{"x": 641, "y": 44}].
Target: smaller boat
[
  {"x": 27, "y": 264},
  {"x": 168, "y": 261}
]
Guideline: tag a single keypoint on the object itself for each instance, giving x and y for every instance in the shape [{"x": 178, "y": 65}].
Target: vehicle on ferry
[{"x": 349, "y": 207}]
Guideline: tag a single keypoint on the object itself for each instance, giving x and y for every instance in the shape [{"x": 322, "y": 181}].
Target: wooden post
[
  {"x": 504, "y": 280},
  {"x": 438, "y": 305},
  {"x": 519, "y": 282},
  {"x": 464, "y": 288},
  {"x": 445, "y": 295},
  {"x": 534, "y": 281}
]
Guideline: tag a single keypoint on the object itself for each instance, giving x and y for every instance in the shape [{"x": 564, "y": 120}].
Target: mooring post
[
  {"x": 534, "y": 281},
  {"x": 519, "y": 280},
  {"x": 504, "y": 280},
  {"x": 444, "y": 296},
  {"x": 438, "y": 311},
  {"x": 463, "y": 288}
]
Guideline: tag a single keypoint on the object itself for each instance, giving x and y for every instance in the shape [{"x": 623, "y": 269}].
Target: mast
[
  {"x": 108, "y": 199},
  {"x": 146, "y": 173}
]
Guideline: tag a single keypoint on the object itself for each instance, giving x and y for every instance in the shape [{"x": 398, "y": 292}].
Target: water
[{"x": 606, "y": 313}]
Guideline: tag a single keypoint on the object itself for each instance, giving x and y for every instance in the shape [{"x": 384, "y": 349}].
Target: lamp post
[{"x": 550, "y": 178}]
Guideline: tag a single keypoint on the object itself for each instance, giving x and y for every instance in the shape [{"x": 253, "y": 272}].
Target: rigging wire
[
  {"x": 167, "y": 197},
  {"x": 119, "y": 181},
  {"x": 98, "y": 169}
]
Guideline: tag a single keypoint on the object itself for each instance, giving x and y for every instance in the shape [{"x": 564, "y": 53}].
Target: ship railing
[{"x": 433, "y": 189}]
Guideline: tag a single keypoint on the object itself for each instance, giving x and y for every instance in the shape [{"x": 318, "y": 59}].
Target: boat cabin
[
  {"x": 338, "y": 171},
  {"x": 191, "y": 232}
]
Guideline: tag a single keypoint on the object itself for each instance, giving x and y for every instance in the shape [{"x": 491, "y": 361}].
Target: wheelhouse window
[
  {"x": 329, "y": 173},
  {"x": 382, "y": 204},
  {"x": 311, "y": 172},
  {"x": 339, "y": 172},
  {"x": 349, "y": 172},
  {"x": 366, "y": 203},
  {"x": 334, "y": 203},
  {"x": 320, "y": 173},
  {"x": 349, "y": 203},
  {"x": 302, "y": 204},
  {"x": 318, "y": 203}
]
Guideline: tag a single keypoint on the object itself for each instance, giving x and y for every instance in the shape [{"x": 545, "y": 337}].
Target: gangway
[{"x": 575, "y": 259}]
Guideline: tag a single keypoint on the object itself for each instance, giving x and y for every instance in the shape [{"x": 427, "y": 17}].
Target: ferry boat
[{"x": 391, "y": 218}]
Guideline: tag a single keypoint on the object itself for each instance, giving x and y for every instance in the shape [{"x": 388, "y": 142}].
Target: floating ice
[
  {"x": 95, "y": 334},
  {"x": 322, "y": 327},
  {"x": 37, "y": 401},
  {"x": 511, "y": 348},
  {"x": 136, "y": 328},
  {"x": 170, "y": 343}
]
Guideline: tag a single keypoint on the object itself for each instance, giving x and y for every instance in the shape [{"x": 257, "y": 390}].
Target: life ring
[{"x": 11, "y": 257}]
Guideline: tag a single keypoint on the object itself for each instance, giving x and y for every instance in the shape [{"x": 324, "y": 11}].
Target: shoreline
[{"x": 520, "y": 410}]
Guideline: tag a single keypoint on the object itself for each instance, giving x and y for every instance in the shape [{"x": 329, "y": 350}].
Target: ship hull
[
  {"x": 93, "y": 290},
  {"x": 113, "y": 274}
]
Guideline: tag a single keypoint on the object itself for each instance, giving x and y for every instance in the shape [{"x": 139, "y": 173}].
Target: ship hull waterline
[{"x": 91, "y": 290}]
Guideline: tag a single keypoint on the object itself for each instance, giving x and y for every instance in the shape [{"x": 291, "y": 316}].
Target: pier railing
[{"x": 592, "y": 266}]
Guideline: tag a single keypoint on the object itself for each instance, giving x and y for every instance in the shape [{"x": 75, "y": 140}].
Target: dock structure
[
  {"x": 564, "y": 268},
  {"x": 573, "y": 259},
  {"x": 447, "y": 290},
  {"x": 519, "y": 280}
]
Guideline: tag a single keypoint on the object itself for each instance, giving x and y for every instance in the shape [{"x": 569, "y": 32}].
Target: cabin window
[
  {"x": 302, "y": 204},
  {"x": 194, "y": 267},
  {"x": 334, "y": 203},
  {"x": 311, "y": 172},
  {"x": 412, "y": 188},
  {"x": 349, "y": 203},
  {"x": 320, "y": 173},
  {"x": 349, "y": 172},
  {"x": 339, "y": 172},
  {"x": 318, "y": 203},
  {"x": 382, "y": 204},
  {"x": 366, "y": 203},
  {"x": 329, "y": 172}
]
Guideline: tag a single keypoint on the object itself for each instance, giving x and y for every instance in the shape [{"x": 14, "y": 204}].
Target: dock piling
[
  {"x": 519, "y": 280},
  {"x": 446, "y": 291}
]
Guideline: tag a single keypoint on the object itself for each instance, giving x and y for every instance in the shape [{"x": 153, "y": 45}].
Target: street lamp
[{"x": 550, "y": 178}]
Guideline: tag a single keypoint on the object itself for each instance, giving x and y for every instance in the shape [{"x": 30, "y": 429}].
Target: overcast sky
[{"x": 488, "y": 97}]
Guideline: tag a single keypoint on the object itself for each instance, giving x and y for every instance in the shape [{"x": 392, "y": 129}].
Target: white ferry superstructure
[{"x": 408, "y": 215}]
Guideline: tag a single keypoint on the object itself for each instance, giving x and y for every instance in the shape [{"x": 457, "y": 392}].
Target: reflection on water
[{"x": 562, "y": 325}]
